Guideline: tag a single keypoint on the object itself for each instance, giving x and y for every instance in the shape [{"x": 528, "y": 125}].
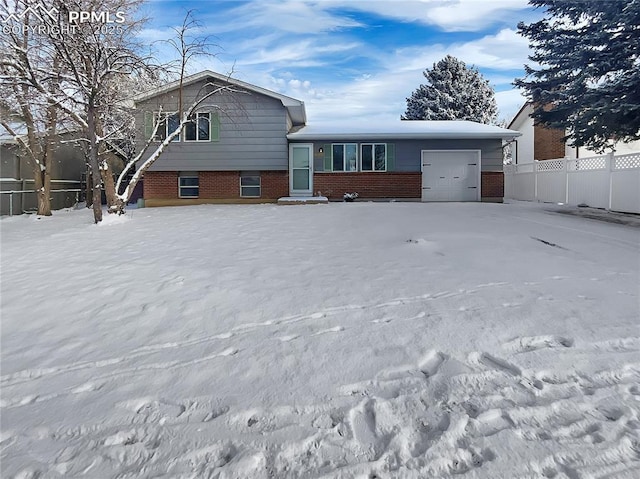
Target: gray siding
[
  {"x": 253, "y": 129},
  {"x": 408, "y": 152}
]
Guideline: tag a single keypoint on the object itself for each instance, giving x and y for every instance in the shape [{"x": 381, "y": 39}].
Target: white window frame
[
  {"x": 344, "y": 150},
  {"x": 197, "y": 139},
  {"x": 163, "y": 117},
  {"x": 259, "y": 185},
  {"x": 373, "y": 156},
  {"x": 197, "y": 177}
]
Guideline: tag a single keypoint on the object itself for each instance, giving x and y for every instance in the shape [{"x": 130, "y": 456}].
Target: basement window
[
  {"x": 250, "y": 186},
  {"x": 188, "y": 184}
]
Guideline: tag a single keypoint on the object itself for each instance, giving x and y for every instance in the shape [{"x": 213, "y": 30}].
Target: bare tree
[
  {"x": 102, "y": 69},
  {"x": 98, "y": 62},
  {"x": 31, "y": 116},
  {"x": 69, "y": 69},
  {"x": 89, "y": 83}
]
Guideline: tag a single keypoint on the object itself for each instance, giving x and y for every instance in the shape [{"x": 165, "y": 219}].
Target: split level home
[
  {"x": 255, "y": 145},
  {"x": 538, "y": 142}
]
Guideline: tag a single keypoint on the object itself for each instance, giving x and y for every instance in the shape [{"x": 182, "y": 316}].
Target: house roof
[
  {"x": 404, "y": 129},
  {"x": 295, "y": 107}
]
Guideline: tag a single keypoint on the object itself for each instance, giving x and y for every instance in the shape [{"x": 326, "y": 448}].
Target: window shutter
[
  {"x": 214, "y": 127},
  {"x": 391, "y": 157},
  {"x": 148, "y": 124},
  {"x": 327, "y": 157}
]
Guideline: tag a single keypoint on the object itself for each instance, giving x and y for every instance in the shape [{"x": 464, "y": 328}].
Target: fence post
[
  {"x": 535, "y": 180},
  {"x": 23, "y": 188},
  {"x": 609, "y": 163},
  {"x": 11, "y": 203}
]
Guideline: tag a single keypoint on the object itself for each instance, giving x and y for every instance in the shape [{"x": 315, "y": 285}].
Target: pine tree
[
  {"x": 454, "y": 92},
  {"x": 588, "y": 79}
]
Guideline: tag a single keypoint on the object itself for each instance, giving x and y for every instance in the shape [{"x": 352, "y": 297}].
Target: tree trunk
[
  {"x": 43, "y": 192},
  {"x": 96, "y": 180},
  {"x": 88, "y": 191},
  {"x": 113, "y": 202},
  {"x": 97, "y": 199},
  {"x": 50, "y": 138}
]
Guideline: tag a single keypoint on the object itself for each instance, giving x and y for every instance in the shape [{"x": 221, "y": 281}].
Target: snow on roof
[{"x": 407, "y": 129}]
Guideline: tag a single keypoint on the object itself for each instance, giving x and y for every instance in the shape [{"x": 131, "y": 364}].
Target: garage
[{"x": 450, "y": 175}]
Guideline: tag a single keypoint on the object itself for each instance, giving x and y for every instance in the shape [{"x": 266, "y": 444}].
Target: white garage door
[{"x": 451, "y": 175}]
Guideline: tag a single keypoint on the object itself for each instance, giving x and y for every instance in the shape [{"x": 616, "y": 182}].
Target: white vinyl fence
[{"x": 608, "y": 181}]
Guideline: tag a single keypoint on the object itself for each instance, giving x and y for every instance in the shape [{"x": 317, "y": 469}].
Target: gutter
[{"x": 402, "y": 136}]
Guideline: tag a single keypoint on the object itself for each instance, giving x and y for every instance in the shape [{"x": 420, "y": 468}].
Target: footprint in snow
[
  {"x": 531, "y": 343},
  {"x": 87, "y": 387},
  {"x": 494, "y": 362},
  {"x": 430, "y": 363},
  {"x": 288, "y": 338},
  {"x": 211, "y": 415},
  {"x": 335, "y": 329},
  {"x": 490, "y": 422},
  {"x": 362, "y": 420}
]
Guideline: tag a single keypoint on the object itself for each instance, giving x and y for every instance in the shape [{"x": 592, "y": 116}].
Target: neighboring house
[
  {"x": 255, "y": 146},
  {"x": 541, "y": 143},
  {"x": 16, "y": 174}
]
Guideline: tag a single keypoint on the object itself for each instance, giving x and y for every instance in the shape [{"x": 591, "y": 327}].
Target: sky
[{"x": 353, "y": 60}]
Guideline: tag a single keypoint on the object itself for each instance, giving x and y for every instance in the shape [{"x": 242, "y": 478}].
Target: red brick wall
[
  {"x": 547, "y": 143},
  {"x": 161, "y": 184},
  {"x": 219, "y": 184},
  {"x": 492, "y": 184},
  {"x": 275, "y": 184},
  {"x": 368, "y": 185},
  {"x": 214, "y": 185}
]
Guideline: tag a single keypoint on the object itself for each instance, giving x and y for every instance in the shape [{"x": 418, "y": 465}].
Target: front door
[{"x": 301, "y": 169}]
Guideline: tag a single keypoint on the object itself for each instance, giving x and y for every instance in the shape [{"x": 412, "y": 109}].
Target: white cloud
[
  {"x": 506, "y": 50},
  {"x": 509, "y": 103},
  {"x": 302, "y": 17},
  {"x": 301, "y": 53},
  {"x": 274, "y": 44},
  {"x": 449, "y": 15},
  {"x": 373, "y": 97}
]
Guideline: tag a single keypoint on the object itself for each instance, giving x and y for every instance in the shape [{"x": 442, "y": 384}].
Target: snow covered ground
[{"x": 386, "y": 340}]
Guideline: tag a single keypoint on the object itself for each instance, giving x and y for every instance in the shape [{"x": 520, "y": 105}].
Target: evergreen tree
[
  {"x": 454, "y": 92},
  {"x": 588, "y": 79}
]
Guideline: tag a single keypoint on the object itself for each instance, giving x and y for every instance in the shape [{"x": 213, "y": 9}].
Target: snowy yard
[{"x": 387, "y": 340}]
